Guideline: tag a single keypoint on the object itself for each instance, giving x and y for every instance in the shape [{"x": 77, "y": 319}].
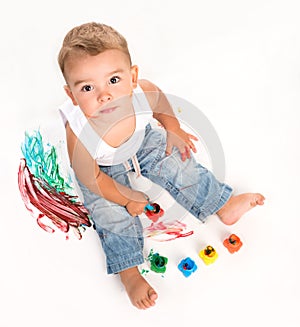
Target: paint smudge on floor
[
  {"x": 45, "y": 192},
  {"x": 167, "y": 231},
  {"x": 144, "y": 272}
]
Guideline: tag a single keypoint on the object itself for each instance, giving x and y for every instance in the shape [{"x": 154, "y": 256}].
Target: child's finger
[
  {"x": 193, "y": 137},
  {"x": 192, "y": 147},
  {"x": 169, "y": 149},
  {"x": 188, "y": 152},
  {"x": 183, "y": 155}
]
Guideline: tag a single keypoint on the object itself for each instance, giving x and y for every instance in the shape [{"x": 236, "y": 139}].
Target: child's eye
[
  {"x": 114, "y": 80},
  {"x": 87, "y": 88}
]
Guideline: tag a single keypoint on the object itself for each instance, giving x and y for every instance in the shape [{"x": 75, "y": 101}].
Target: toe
[
  {"x": 146, "y": 303},
  {"x": 260, "y": 199},
  {"x": 152, "y": 295},
  {"x": 140, "y": 305}
]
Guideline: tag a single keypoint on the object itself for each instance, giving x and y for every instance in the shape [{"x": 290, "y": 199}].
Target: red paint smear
[
  {"x": 62, "y": 209},
  {"x": 175, "y": 229}
]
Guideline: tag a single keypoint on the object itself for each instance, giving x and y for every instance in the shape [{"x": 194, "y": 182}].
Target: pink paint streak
[{"x": 174, "y": 229}]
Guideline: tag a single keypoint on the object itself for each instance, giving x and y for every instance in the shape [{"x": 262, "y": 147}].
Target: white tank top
[{"x": 103, "y": 153}]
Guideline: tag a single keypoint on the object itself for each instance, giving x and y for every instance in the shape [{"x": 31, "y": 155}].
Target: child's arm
[
  {"x": 163, "y": 112},
  {"x": 88, "y": 172}
]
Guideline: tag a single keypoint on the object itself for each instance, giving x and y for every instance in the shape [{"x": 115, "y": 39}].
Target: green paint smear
[
  {"x": 144, "y": 271},
  {"x": 43, "y": 163},
  {"x": 150, "y": 256}
]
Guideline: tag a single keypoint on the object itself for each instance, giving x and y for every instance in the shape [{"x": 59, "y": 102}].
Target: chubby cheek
[
  {"x": 88, "y": 106},
  {"x": 124, "y": 92},
  {"x": 90, "y": 110}
]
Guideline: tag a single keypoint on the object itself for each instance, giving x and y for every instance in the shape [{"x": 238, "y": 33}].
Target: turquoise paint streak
[{"x": 43, "y": 164}]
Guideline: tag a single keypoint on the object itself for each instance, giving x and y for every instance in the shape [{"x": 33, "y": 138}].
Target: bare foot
[
  {"x": 141, "y": 294},
  {"x": 237, "y": 205}
]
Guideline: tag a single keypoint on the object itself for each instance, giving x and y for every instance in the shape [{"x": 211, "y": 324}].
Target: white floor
[{"x": 237, "y": 61}]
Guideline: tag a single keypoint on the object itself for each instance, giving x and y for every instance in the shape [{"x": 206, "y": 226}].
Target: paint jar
[
  {"x": 208, "y": 255},
  {"x": 158, "y": 263},
  {"x": 153, "y": 211},
  {"x": 187, "y": 266},
  {"x": 232, "y": 243}
]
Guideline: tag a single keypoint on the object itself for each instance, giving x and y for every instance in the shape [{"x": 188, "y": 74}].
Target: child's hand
[
  {"x": 182, "y": 141},
  {"x": 136, "y": 205}
]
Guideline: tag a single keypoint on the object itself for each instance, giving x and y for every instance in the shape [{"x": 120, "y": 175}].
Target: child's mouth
[{"x": 107, "y": 110}]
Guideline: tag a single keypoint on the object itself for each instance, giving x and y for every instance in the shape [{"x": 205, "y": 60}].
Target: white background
[{"x": 240, "y": 60}]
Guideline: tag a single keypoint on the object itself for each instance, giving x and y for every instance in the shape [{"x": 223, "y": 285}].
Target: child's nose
[{"x": 104, "y": 97}]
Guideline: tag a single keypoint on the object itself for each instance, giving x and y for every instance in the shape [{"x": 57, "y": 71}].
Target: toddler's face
[{"x": 96, "y": 82}]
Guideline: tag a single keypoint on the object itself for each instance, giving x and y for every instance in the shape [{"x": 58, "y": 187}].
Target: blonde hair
[{"x": 91, "y": 39}]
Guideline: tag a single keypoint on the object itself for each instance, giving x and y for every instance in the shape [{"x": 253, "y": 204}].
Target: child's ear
[
  {"x": 70, "y": 94},
  {"x": 134, "y": 75}
]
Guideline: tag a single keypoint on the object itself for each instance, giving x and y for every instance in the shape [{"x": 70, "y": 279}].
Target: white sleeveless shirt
[{"x": 103, "y": 153}]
